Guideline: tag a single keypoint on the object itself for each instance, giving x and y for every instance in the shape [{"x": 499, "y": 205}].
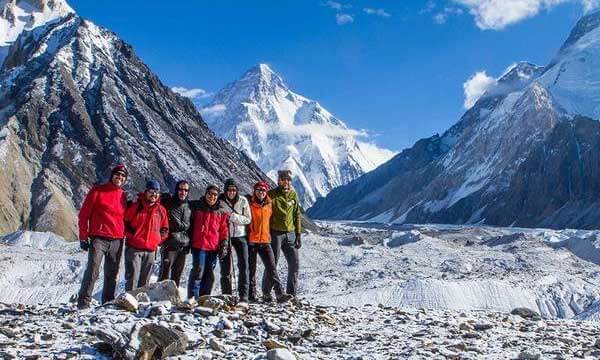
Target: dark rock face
[{"x": 74, "y": 100}]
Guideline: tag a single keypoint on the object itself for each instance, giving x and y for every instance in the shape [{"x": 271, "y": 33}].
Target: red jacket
[
  {"x": 103, "y": 212},
  {"x": 147, "y": 226},
  {"x": 210, "y": 226}
]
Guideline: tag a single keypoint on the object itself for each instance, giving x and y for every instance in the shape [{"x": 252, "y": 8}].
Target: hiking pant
[
  {"x": 111, "y": 251},
  {"x": 138, "y": 267},
  {"x": 172, "y": 262},
  {"x": 240, "y": 244},
  {"x": 268, "y": 259},
  {"x": 285, "y": 242},
  {"x": 202, "y": 276}
]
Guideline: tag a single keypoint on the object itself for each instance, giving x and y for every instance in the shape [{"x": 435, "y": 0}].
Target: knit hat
[
  {"x": 284, "y": 174},
  {"x": 119, "y": 168},
  {"x": 153, "y": 185},
  {"x": 211, "y": 187},
  {"x": 229, "y": 182},
  {"x": 261, "y": 185}
]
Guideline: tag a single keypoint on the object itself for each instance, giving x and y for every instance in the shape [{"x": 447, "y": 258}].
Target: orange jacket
[{"x": 260, "y": 224}]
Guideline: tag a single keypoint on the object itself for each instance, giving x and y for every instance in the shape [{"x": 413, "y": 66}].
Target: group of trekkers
[{"x": 262, "y": 224}]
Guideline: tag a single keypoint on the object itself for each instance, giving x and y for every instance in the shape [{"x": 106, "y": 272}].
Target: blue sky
[{"x": 395, "y": 68}]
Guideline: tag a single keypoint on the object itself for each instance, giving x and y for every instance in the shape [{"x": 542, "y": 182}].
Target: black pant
[
  {"x": 138, "y": 267},
  {"x": 240, "y": 244},
  {"x": 111, "y": 251},
  {"x": 284, "y": 241},
  {"x": 268, "y": 259},
  {"x": 172, "y": 262}
]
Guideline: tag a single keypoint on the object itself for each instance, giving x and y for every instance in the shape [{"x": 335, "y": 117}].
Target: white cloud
[
  {"x": 336, "y": 5},
  {"x": 213, "y": 111},
  {"x": 476, "y": 86},
  {"x": 378, "y": 12},
  {"x": 429, "y": 7},
  {"x": 191, "y": 93},
  {"x": 343, "y": 19},
  {"x": 440, "y": 18},
  {"x": 589, "y": 5},
  {"x": 498, "y": 14}
]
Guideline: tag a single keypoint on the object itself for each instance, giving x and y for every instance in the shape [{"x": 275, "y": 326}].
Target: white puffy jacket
[{"x": 239, "y": 216}]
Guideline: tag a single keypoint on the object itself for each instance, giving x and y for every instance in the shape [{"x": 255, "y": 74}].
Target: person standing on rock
[
  {"x": 177, "y": 246},
  {"x": 210, "y": 240},
  {"x": 146, "y": 227},
  {"x": 101, "y": 234},
  {"x": 259, "y": 243},
  {"x": 285, "y": 231},
  {"x": 237, "y": 208}
]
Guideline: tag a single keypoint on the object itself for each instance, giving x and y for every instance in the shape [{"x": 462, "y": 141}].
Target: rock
[
  {"x": 160, "y": 342},
  {"x": 465, "y": 327},
  {"x": 217, "y": 346},
  {"x": 352, "y": 241},
  {"x": 597, "y": 343},
  {"x": 327, "y": 318},
  {"x": 143, "y": 297},
  {"x": 158, "y": 310},
  {"x": 127, "y": 302},
  {"x": 9, "y": 333},
  {"x": 526, "y": 313},
  {"x": 482, "y": 326},
  {"x": 212, "y": 302},
  {"x": 187, "y": 305},
  {"x": 271, "y": 327},
  {"x": 225, "y": 324},
  {"x": 160, "y": 291},
  {"x": 280, "y": 354},
  {"x": 250, "y": 323},
  {"x": 529, "y": 355},
  {"x": 273, "y": 344},
  {"x": 205, "y": 311}
]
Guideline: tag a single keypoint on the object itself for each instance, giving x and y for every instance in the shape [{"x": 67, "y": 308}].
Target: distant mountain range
[{"x": 526, "y": 154}]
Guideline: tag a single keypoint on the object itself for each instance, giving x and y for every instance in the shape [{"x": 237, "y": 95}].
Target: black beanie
[{"x": 229, "y": 182}]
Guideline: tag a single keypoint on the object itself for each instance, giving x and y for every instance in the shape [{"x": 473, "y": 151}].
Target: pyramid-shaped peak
[{"x": 261, "y": 76}]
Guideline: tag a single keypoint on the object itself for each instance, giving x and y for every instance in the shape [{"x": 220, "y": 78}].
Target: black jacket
[{"x": 180, "y": 221}]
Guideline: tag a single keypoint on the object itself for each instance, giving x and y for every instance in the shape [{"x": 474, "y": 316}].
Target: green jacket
[{"x": 286, "y": 211}]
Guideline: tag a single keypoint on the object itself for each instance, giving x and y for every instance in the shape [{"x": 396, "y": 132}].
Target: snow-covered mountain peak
[
  {"x": 17, "y": 16},
  {"x": 585, "y": 25},
  {"x": 278, "y": 129}
]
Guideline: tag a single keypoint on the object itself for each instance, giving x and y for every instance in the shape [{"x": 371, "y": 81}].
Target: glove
[
  {"x": 223, "y": 249},
  {"x": 84, "y": 244},
  {"x": 298, "y": 242}
]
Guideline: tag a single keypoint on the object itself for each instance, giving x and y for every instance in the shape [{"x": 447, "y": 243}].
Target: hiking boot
[
  {"x": 267, "y": 299},
  {"x": 283, "y": 298},
  {"x": 252, "y": 299},
  {"x": 82, "y": 305}
]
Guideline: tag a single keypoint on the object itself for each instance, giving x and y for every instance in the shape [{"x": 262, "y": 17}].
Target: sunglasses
[
  {"x": 120, "y": 174},
  {"x": 260, "y": 190},
  {"x": 212, "y": 193},
  {"x": 152, "y": 191},
  {"x": 183, "y": 190}
]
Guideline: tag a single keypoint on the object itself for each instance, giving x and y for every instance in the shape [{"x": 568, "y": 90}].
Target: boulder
[
  {"x": 158, "y": 342},
  {"x": 127, "y": 302},
  {"x": 280, "y": 354},
  {"x": 160, "y": 291}
]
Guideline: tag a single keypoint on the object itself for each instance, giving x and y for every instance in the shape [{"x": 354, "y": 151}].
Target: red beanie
[
  {"x": 261, "y": 184},
  {"x": 119, "y": 168}
]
